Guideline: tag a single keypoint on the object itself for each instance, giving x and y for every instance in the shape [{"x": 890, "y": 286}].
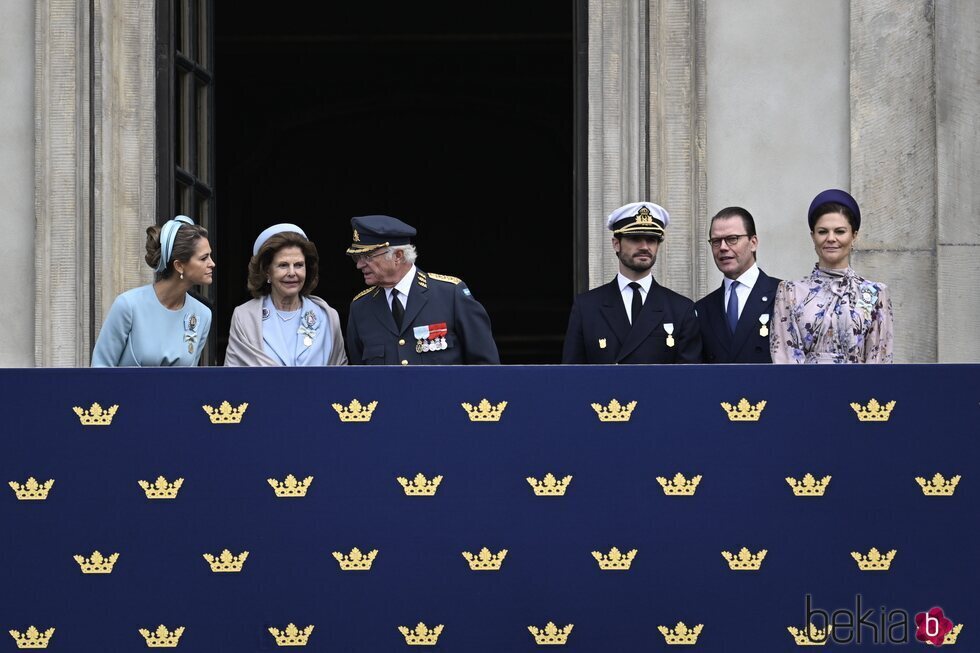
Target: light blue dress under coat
[{"x": 141, "y": 332}]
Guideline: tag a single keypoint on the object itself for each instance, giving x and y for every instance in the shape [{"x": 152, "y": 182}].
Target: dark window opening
[{"x": 456, "y": 118}]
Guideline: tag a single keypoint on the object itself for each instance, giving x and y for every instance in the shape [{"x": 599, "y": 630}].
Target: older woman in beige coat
[{"x": 284, "y": 325}]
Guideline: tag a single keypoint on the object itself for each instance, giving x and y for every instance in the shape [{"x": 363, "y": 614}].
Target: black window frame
[{"x": 185, "y": 121}]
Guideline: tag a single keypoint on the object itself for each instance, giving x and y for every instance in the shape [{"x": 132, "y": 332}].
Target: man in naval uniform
[
  {"x": 408, "y": 316},
  {"x": 735, "y": 318},
  {"x": 633, "y": 319}
]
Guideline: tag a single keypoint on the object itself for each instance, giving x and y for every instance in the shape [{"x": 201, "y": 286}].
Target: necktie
[
  {"x": 637, "y": 302},
  {"x": 732, "y": 308},
  {"x": 397, "y": 310}
]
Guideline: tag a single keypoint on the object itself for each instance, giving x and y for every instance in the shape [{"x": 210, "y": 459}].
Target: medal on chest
[
  {"x": 431, "y": 337},
  {"x": 764, "y": 325},
  {"x": 669, "y": 328}
]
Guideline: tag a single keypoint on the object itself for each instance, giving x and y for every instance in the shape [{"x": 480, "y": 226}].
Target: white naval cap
[{"x": 639, "y": 219}]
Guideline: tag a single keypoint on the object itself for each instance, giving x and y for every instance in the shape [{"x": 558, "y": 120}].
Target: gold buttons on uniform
[
  {"x": 401, "y": 342},
  {"x": 404, "y": 362}
]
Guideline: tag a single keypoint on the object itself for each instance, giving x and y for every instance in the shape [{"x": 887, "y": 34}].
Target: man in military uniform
[
  {"x": 633, "y": 319},
  {"x": 735, "y": 317},
  {"x": 408, "y": 316}
]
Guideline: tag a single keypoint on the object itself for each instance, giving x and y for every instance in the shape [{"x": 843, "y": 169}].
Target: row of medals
[{"x": 436, "y": 344}]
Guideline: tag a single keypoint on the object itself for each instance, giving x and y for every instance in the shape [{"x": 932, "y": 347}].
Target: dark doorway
[{"x": 454, "y": 117}]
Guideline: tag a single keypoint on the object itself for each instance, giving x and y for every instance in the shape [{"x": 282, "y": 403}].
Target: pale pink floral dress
[{"x": 832, "y": 316}]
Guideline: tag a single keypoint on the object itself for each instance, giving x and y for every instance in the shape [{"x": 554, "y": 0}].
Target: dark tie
[
  {"x": 732, "y": 308},
  {"x": 637, "y": 304},
  {"x": 397, "y": 310}
]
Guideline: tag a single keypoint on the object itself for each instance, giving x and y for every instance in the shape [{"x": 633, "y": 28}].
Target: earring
[
  {"x": 181, "y": 276},
  {"x": 268, "y": 280}
]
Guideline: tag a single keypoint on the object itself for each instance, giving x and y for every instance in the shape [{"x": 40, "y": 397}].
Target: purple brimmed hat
[{"x": 835, "y": 196}]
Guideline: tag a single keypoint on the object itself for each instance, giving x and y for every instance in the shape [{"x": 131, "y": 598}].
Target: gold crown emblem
[
  {"x": 938, "y": 486},
  {"x": 290, "y": 487},
  {"x": 357, "y": 238},
  {"x": 745, "y": 560},
  {"x": 551, "y": 634},
  {"x": 226, "y": 413},
  {"x": 874, "y": 561},
  {"x": 162, "y": 637},
  {"x": 226, "y": 562},
  {"x": 951, "y": 636},
  {"x": 744, "y": 411},
  {"x": 161, "y": 488},
  {"x": 355, "y": 560},
  {"x": 96, "y": 415},
  {"x": 32, "y": 637},
  {"x": 614, "y": 412},
  {"x": 420, "y": 486},
  {"x": 355, "y": 412},
  {"x": 809, "y": 486},
  {"x": 810, "y": 636},
  {"x": 291, "y": 635},
  {"x": 97, "y": 564},
  {"x": 873, "y": 412},
  {"x": 484, "y": 560},
  {"x": 484, "y": 411},
  {"x": 679, "y": 486},
  {"x": 421, "y": 635},
  {"x": 31, "y": 490},
  {"x": 614, "y": 560},
  {"x": 549, "y": 486},
  {"x": 681, "y": 634}
]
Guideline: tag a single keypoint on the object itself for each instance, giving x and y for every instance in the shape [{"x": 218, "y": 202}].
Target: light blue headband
[
  {"x": 167, "y": 235},
  {"x": 272, "y": 231}
]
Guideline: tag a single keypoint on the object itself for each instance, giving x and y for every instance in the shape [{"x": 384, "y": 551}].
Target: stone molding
[
  {"x": 647, "y": 129},
  {"x": 94, "y": 166}
]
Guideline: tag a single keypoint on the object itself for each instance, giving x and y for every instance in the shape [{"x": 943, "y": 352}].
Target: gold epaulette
[
  {"x": 361, "y": 294},
  {"x": 444, "y": 277}
]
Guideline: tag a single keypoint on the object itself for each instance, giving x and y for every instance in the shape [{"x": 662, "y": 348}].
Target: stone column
[
  {"x": 893, "y": 163},
  {"x": 647, "y": 128},
  {"x": 958, "y": 175},
  {"x": 94, "y": 165}
]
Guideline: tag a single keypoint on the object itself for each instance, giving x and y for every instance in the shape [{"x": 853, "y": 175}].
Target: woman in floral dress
[{"x": 833, "y": 315}]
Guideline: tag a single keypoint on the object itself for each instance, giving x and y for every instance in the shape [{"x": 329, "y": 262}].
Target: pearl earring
[{"x": 181, "y": 276}]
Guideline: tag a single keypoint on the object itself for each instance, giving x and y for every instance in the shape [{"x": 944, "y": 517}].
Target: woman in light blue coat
[{"x": 161, "y": 324}]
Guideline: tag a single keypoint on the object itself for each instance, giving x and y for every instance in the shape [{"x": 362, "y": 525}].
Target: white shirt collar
[
  {"x": 402, "y": 286},
  {"x": 747, "y": 278},
  {"x": 645, "y": 282}
]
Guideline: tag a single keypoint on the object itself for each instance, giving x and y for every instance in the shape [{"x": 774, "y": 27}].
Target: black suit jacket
[
  {"x": 600, "y": 332},
  {"x": 373, "y": 338},
  {"x": 746, "y": 345}
]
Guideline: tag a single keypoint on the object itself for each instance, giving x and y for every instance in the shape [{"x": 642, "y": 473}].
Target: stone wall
[{"x": 17, "y": 182}]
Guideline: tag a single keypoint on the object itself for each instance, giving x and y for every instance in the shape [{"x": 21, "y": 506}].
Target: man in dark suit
[
  {"x": 735, "y": 318},
  {"x": 633, "y": 319},
  {"x": 407, "y": 316}
]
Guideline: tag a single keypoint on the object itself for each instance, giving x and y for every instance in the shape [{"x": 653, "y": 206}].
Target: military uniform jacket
[
  {"x": 746, "y": 345},
  {"x": 599, "y": 330},
  {"x": 373, "y": 338}
]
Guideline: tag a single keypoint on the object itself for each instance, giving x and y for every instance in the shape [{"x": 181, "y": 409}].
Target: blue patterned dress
[{"x": 832, "y": 316}]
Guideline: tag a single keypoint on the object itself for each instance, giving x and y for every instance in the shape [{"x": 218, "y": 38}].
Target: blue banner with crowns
[{"x": 629, "y": 508}]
